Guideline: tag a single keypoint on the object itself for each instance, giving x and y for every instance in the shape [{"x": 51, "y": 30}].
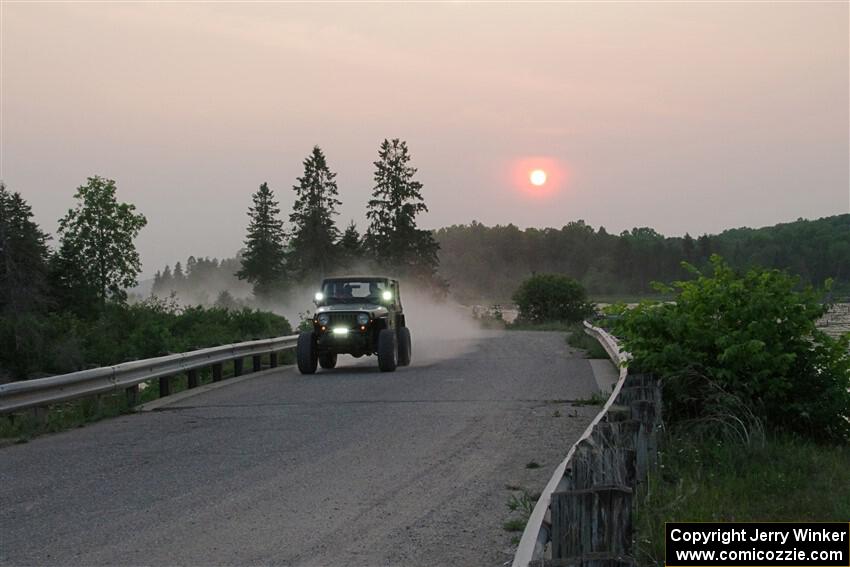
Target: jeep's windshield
[{"x": 354, "y": 291}]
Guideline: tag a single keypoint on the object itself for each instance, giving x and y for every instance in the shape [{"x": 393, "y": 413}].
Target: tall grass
[{"x": 700, "y": 479}]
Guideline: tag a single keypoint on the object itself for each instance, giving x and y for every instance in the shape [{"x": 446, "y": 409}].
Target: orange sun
[{"x": 537, "y": 177}]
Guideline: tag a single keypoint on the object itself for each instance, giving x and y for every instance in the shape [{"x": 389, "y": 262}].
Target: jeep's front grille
[{"x": 347, "y": 320}]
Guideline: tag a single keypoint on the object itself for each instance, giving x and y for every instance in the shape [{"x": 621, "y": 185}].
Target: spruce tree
[
  {"x": 393, "y": 238},
  {"x": 350, "y": 247},
  {"x": 314, "y": 231},
  {"x": 23, "y": 257},
  {"x": 263, "y": 257},
  {"x": 23, "y": 285}
]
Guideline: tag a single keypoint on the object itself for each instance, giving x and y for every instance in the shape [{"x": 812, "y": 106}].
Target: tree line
[
  {"x": 277, "y": 256},
  {"x": 66, "y": 309},
  {"x": 490, "y": 263}
]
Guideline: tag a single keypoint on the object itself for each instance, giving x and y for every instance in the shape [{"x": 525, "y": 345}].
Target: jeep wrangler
[{"x": 357, "y": 315}]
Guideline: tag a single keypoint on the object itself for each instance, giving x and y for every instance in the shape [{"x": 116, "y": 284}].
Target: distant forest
[
  {"x": 487, "y": 264},
  {"x": 490, "y": 262}
]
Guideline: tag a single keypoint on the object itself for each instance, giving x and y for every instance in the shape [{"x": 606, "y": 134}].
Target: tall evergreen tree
[
  {"x": 97, "y": 255},
  {"x": 23, "y": 257},
  {"x": 350, "y": 248},
  {"x": 179, "y": 275},
  {"x": 263, "y": 257},
  {"x": 393, "y": 237},
  {"x": 23, "y": 285},
  {"x": 314, "y": 231}
]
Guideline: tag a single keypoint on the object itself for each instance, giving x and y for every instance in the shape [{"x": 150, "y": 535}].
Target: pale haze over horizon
[{"x": 686, "y": 117}]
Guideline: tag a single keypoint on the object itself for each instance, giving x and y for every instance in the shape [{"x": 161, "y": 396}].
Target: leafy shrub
[
  {"x": 130, "y": 332},
  {"x": 545, "y": 298},
  {"x": 749, "y": 337}
]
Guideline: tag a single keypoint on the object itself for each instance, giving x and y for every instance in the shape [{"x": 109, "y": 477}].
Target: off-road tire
[
  {"x": 387, "y": 350},
  {"x": 404, "y": 346},
  {"x": 306, "y": 354},
  {"x": 327, "y": 360}
]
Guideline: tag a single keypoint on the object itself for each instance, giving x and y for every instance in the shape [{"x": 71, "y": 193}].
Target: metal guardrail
[
  {"x": 41, "y": 392},
  {"x": 536, "y": 535}
]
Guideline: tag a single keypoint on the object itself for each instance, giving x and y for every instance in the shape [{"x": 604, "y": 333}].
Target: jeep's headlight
[
  {"x": 323, "y": 319},
  {"x": 362, "y": 318},
  {"x": 387, "y": 295}
]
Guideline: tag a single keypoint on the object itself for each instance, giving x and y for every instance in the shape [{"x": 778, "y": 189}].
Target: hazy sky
[{"x": 681, "y": 116}]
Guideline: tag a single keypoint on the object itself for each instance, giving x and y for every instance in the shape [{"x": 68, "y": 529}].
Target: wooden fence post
[
  {"x": 237, "y": 366},
  {"x": 592, "y": 521},
  {"x": 258, "y": 362},
  {"x": 216, "y": 372},
  {"x": 273, "y": 360}
]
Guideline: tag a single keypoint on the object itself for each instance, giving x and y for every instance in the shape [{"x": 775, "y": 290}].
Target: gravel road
[{"x": 350, "y": 466}]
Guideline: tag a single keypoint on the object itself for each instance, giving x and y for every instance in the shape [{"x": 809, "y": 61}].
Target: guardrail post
[
  {"x": 192, "y": 378},
  {"x": 216, "y": 372},
  {"x": 273, "y": 360},
  {"x": 165, "y": 386},
  {"x": 237, "y": 366},
  {"x": 132, "y": 395},
  {"x": 258, "y": 362},
  {"x": 39, "y": 414}
]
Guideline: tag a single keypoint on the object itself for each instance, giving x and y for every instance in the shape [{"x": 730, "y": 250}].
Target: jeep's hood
[{"x": 373, "y": 308}]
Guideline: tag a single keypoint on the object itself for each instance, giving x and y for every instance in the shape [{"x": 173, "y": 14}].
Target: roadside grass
[
  {"x": 577, "y": 338},
  {"x": 597, "y": 399},
  {"x": 514, "y": 524},
  {"x": 627, "y": 298},
  {"x": 20, "y": 427},
  {"x": 785, "y": 479},
  {"x": 563, "y": 326},
  {"x": 521, "y": 504}
]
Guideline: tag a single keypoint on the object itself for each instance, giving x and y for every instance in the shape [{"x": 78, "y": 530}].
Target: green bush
[
  {"x": 546, "y": 298},
  {"x": 121, "y": 333},
  {"x": 747, "y": 338}
]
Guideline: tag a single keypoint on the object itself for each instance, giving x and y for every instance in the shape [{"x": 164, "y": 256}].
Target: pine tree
[
  {"x": 393, "y": 237},
  {"x": 178, "y": 284},
  {"x": 23, "y": 257},
  {"x": 264, "y": 254},
  {"x": 23, "y": 285},
  {"x": 191, "y": 265},
  {"x": 314, "y": 231},
  {"x": 166, "y": 284},
  {"x": 350, "y": 248},
  {"x": 688, "y": 247},
  {"x": 97, "y": 256}
]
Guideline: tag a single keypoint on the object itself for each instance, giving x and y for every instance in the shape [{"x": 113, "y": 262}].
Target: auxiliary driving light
[
  {"x": 319, "y": 296},
  {"x": 387, "y": 295},
  {"x": 340, "y": 331}
]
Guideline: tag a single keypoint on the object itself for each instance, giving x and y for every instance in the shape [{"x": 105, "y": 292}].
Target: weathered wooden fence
[{"x": 584, "y": 517}]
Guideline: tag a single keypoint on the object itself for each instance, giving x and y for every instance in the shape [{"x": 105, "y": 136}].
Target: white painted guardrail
[
  {"x": 536, "y": 535},
  {"x": 41, "y": 392}
]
